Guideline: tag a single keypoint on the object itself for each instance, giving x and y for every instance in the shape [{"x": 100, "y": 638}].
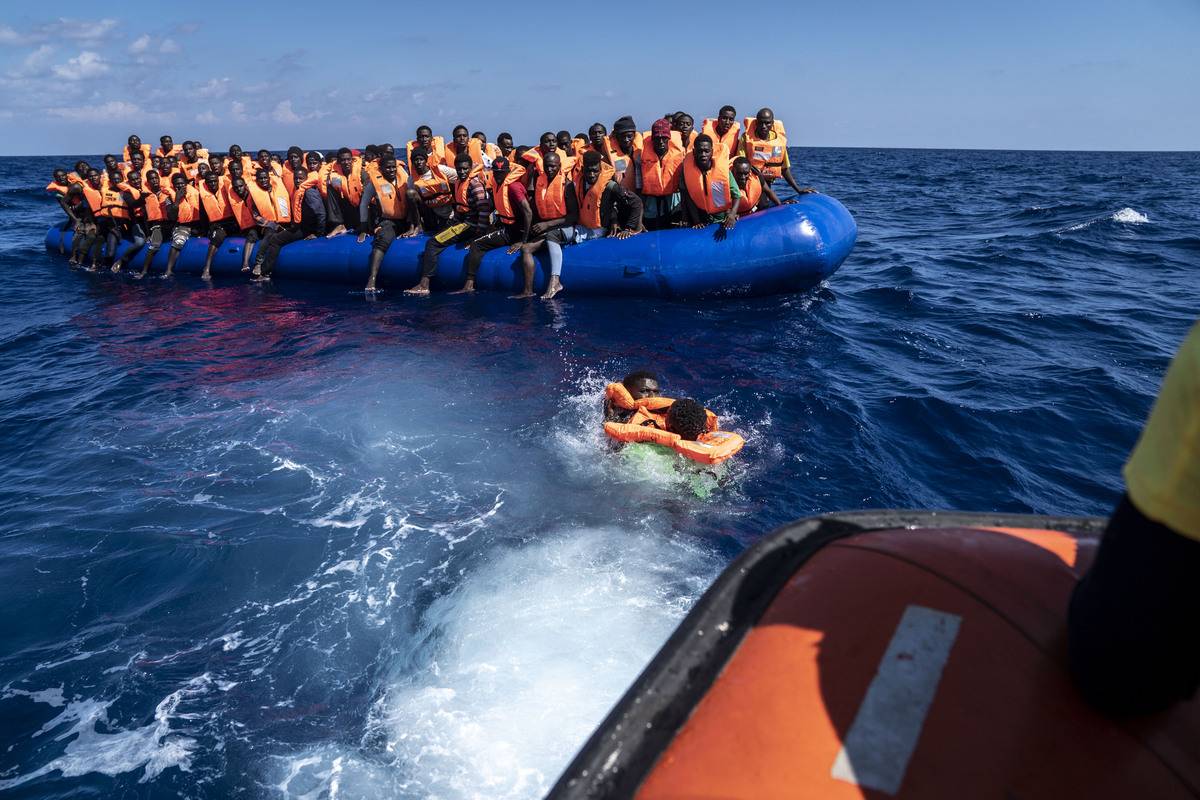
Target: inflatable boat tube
[
  {"x": 784, "y": 249},
  {"x": 884, "y": 654}
]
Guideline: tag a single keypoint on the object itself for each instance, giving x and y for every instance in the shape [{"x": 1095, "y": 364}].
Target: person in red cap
[{"x": 658, "y": 171}]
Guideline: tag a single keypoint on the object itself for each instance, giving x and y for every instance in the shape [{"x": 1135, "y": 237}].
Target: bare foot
[
  {"x": 246, "y": 268},
  {"x": 371, "y": 290},
  {"x": 256, "y": 274},
  {"x": 521, "y": 296},
  {"x": 554, "y": 288},
  {"x": 206, "y": 276},
  {"x": 116, "y": 267},
  {"x": 416, "y": 291},
  {"x": 465, "y": 290},
  {"x": 338, "y": 231}
]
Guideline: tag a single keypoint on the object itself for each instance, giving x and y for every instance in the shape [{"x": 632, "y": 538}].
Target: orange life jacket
[
  {"x": 437, "y": 151},
  {"x": 659, "y": 177},
  {"x": 242, "y": 210},
  {"x": 289, "y": 177},
  {"x": 73, "y": 177},
  {"x": 155, "y": 204},
  {"x": 710, "y": 190},
  {"x": 323, "y": 174},
  {"x": 189, "y": 209},
  {"x": 392, "y": 197},
  {"x": 434, "y": 191},
  {"x": 137, "y": 211},
  {"x": 535, "y": 160},
  {"x": 751, "y": 194},
  {"x": 176, "y": 149},
  {"x": 190, "y": 171},
  {"x": 550, "y": 197},
  {"x": 216, "y": 204},
  {"x": 201, "y": 153},
  {"x": 731, "y": 139},
  {"x": 54, "y": 187},
  {"x": 492, "y": 151},
  {"x": 474, "y": 149},
  {"x": 113, "y": 203},
  {"x": 271, "y": 204},
  {"x": 589, "y": 202},
  {"x": 500, "y": 199},
  {"x": 622, "y": 163},
  {"x": 348, "y": 186},
  {"x": 94, "y": 197},
  {"x": 298, "y": 197},
  {"x": 648, "y": 424},
  {"x": 765, "y": 155},
  {"x": 126, "y": 155},
  {"x": 462, "y": 189}
]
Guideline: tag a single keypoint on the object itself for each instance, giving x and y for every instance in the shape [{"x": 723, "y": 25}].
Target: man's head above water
[{"x": 641, "y": 384}]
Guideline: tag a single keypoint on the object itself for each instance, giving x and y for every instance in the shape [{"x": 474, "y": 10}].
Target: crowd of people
[{"x": 465, "y": 192}]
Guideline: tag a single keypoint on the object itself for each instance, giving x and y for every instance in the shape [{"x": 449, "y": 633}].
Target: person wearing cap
[
  {"x": 514, "y": 218},
  {"x": 621, "y": 149},
  {"x": 472, "y": 219},
  {"x": 659, "y": 167},
  {"x": 1131, "y": 619}
]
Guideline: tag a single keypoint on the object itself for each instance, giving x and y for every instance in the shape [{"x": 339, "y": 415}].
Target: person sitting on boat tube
[
  {"x": 514, "y": 217},
  {"x": 659, "y": 168},
  {"x": 388, "y": 189},
  {"x": 1132, "y": 617},
  {"x": 684, "y": 426},
  {"x": 765, "y": 144},
  {"x": 472, "y": 213},
  {"x": 752, "y": 188},
  {"x": 710, "y": 195}
]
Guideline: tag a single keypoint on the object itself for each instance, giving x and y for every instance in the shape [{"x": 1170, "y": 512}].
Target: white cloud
[
  {"x": 168, "y": 46},
  {"x": 112, "y": 111},
  {"x": 34, "y": 64},
  {"x": 284, "y": 115},
  {"x": 207, "y": 118},
  {"x": 140, "y": 44},
  {"x": 215, "y": 88},
  {"x": 9, "y": 36},
  {"x": 237, "y": 110},
  {"x": 85, "y": 65}
]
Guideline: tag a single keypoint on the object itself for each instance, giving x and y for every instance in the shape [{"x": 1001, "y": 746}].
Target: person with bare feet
[
  {"x": 558, "y": 210},
  {"x": 472, "y": 219},
  {"x": 514, "y": 218},
  {"x": 397, "y": 208},
  {"x": 186, "y": 205}
]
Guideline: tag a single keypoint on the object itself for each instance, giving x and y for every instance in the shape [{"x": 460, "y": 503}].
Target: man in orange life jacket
[
  {"x": 344, "y": 193},
  {"x": 461, "y": 142},
  {"x": 186, "y": 212},
  {"x": 709, "y": 192},
  {"x": 659, "y": 169},
  {"x": 641, "y": 385},
  {"x": 514, "y": 218},
  {"x": 217, "y": 215},
  {"x": 504, "y": 143},
  {"x": 158, "y": 211},
  {"x": 167, "y": 147},
  {"x": 769, "y": 166},
  {"x": 622, "y": 149},
  {"x": 557, "y": 208},
  {"x": 605, "y": 209},
  {"x": 88, "y": 232},
  {"x": 685, "y": 126},
  {"x": 190, "y": 163},
  {"x": 271, "y": 210},
  {"x": 724, "y": 129},
  {"x": 472, "y": 219},
  {"x": 240, "y": 201},
  {"x": 751, "y": 187},
  {"x": 59, "y": 187},
  {"x": 397, "y": 202},
  {"x": 134, "y": 145},
  {"x": 532, "y": 159},
  {"x": 434, "y": 146},
  {"x": 433, "y": 186},
  {"x": 308, "y": 222},
  {"x": 132, "y": 229}
]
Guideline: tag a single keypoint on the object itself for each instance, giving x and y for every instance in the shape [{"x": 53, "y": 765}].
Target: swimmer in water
[{"x": 641, "y": 384}]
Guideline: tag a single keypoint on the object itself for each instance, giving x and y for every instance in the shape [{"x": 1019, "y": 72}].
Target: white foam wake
[
  {"x": 1130, "y": 217},
  {"x": 523, "y": 660}
]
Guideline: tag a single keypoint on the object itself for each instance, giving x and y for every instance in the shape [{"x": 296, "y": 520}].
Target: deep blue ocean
[{"x": 288, "y": 542}]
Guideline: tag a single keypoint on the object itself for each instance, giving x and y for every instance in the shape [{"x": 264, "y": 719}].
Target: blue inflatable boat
[{"x": 784, "y": 249}]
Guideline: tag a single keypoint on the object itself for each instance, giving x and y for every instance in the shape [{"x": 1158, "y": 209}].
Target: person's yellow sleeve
[{"x": 1162, "y": 475}]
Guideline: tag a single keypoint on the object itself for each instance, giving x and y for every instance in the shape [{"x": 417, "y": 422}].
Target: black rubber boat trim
[{"x": 624, "y": 748}]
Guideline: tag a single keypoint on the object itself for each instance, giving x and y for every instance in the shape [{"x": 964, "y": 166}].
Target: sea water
[{"x": 287, "y": 542}]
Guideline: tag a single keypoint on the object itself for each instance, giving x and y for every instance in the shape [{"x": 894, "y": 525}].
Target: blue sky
[{"x": 1044, "y": 75}]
